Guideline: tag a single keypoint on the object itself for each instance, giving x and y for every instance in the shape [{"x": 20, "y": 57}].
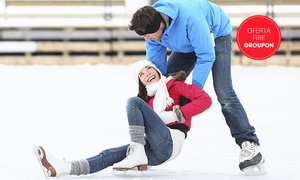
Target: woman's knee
[{"x": 133, "y": 100}]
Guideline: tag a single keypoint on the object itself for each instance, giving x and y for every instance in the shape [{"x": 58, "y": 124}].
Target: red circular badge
[{"x": 258, "y": 37}]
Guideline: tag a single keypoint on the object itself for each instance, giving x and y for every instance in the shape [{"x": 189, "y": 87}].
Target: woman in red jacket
[{"x": 157, "y": 126}]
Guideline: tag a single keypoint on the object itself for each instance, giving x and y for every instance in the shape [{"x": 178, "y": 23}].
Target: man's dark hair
[{"x": 142, "y": 19}]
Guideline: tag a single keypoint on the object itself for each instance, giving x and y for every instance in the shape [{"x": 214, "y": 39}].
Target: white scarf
[{"x": 162, "y": 98}]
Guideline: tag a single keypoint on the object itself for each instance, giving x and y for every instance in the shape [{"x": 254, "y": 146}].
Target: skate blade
[
  {"x": 40, "y": 155},
  {"x": 142, "y": 167},
  {"x": 129, "y": 173},
  {"x": 255, "y": 170}
]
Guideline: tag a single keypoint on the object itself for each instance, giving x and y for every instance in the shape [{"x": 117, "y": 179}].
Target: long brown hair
[{"x": 142, "y": 91}]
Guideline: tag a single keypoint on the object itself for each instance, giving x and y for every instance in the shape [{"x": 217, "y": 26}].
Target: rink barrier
[{"x": 126, "y": 52}]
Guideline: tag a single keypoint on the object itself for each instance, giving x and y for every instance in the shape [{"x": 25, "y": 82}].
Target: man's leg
[
  {"x": 251, "y": 161},
  {"x": 181, "y": 61},
  {"x": 232, "y": 109}
]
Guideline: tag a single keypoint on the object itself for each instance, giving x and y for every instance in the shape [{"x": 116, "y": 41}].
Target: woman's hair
[
  {"x": 142, "y": 88},
  {"x": 142, "y": 91},
  {"x": 142, "y": 18},
  {"x": 178, "y": 76}
]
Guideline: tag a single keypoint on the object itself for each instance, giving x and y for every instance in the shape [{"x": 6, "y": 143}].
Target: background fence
[{"x": 67, "y": 32}]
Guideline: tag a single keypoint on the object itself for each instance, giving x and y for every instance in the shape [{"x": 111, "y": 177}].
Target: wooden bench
[
  {"x": 98, "y": 34},
  {"x": 63, "y": 13},
  {"x": 238, "y": 10},
  {"x": 256, "y": 2},
  {"x": 99, "y": 52},
  {"x": 65, "y": 2}
]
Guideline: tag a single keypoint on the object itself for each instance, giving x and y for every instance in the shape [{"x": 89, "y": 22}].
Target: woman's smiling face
[{"x": 149, "y": 75}]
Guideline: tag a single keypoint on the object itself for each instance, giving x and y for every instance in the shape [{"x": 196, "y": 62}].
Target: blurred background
[{"x": 70, "y": 32}]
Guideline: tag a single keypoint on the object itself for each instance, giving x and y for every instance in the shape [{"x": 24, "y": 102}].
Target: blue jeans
[
  {"x": 232, "y": 109},
  {"x": 159, "y": 144}
]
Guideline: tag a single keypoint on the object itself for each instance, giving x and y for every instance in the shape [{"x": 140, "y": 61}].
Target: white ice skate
[
  {"x": 51, "y": 166},
  {"x": 251, "y": 160},
  {"x": 136, "y": 158}
]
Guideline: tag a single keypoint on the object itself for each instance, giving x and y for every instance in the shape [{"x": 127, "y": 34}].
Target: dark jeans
[{"x": 232, "y": 109}]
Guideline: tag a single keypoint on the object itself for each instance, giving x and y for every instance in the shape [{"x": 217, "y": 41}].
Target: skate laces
[
  {"x": 247, "y": 151},
  {"x": 130, "y": 149}
]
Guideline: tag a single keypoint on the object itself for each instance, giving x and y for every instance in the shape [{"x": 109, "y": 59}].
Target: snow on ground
[{"x": 78, "y": 111}]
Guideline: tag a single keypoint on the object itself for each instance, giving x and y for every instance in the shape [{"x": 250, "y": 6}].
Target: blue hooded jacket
[{"x": 193, "y": 21}]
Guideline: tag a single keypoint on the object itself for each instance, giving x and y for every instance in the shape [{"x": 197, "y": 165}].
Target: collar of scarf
[{"x": 162, "y": 98}]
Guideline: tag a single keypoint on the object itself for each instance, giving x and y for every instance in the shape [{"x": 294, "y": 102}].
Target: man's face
[{"x": 156, "y": 36}]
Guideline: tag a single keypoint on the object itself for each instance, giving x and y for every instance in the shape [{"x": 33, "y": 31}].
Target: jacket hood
[{"x": 168, "y": 8}]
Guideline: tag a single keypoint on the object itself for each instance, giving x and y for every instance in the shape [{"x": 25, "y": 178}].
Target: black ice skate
[{"x": 251, "y": 160}]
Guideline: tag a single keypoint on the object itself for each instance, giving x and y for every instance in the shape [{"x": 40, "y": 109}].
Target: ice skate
[
  {"x": 251, "y": 160},
  {"x": 136, "y": 158},
  {"x": 132, "y": 173},
  {"x": 51, "y": 166}
]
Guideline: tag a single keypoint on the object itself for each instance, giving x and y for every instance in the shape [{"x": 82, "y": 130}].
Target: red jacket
[{"x": 200, "y": 100}]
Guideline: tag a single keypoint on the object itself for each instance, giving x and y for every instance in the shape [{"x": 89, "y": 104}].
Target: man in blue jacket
[{"x": 198, "y": 33}]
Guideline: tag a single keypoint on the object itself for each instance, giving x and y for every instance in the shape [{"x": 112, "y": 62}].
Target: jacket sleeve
[
  {"x": 199, "y": 33},
  {"x": 200, "y": 100}
]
